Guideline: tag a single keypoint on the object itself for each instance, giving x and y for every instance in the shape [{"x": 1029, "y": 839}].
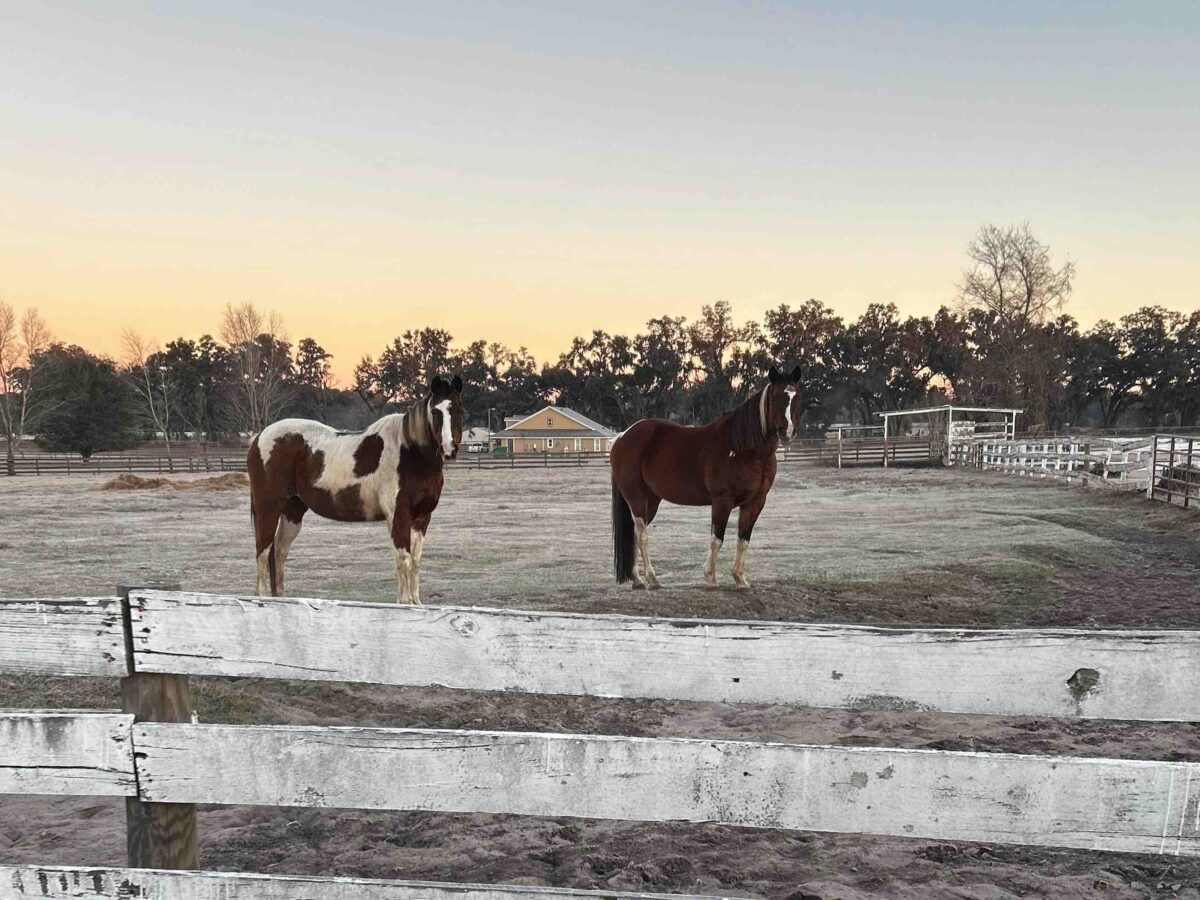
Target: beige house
[{"x": 554, "y": 429}]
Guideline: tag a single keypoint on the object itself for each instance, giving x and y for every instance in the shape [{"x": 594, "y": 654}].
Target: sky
[{"x": 530, "y": 172}]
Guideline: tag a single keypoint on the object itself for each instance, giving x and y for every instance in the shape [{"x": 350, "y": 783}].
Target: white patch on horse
[
  {"x": 710, "y": 567},
  {"x": 791, "y": 428},
  {"x": 739, "y": 563},
  {"x": 762, "y": 410},
  {"x": 263, "y": 586},
  {"x": 312, "y": 433},
  {"x": 447, "y": 431},
  {"x": 377, "y": 488}
]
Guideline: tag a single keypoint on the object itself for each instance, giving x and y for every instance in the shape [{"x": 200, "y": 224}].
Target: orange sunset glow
[{"x": 527, "y": 176}]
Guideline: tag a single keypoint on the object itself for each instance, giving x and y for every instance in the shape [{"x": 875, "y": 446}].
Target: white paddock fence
[
  {"x": 1164, "y": 466},
  {"x": 163, "y": 762}
]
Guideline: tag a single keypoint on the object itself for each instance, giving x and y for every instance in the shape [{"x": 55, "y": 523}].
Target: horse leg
[
  {"x": 289, "y": 527},
  {"x": 642, "y": 533},
  {"x": 417, "y": 541},
  {"x": 747, "y": 516},
  {"x": 402, "y": 532},
  {"x": 266, "y": 518},
  {"x": 721, "y": 509}
]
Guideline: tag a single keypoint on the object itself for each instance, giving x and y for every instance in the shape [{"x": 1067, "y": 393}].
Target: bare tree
[
  {"x": 1013, "y": 277},
  {"x": 260, "y": 360},
  {"x": 20, "y": 345},
  {"x": 150, "y": 380}
]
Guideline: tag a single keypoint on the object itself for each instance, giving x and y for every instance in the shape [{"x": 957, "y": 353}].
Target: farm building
[{"x": 553, "y": 429}]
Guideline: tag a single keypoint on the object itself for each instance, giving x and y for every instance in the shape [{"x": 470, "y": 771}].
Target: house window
[
  {"x": 578, "y": 445},
  {"x": 596, "y": 445},
  {"x": 549, "y": 443},
  {"x": 549, "y": 421}
]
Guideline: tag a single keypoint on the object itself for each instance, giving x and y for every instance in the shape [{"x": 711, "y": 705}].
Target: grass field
[{"x": 866, "y": 546}]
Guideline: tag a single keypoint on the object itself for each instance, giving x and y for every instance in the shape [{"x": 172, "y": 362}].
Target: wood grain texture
[
  {"x": 59, "y": 883},
  {"x": 1147, "y": 675},
  {"x": 66, "y": 753},
  {"x": 1145, "y": 807},
  {"x": 62, "y": 636},
  {"x": 159, "y": 835}
]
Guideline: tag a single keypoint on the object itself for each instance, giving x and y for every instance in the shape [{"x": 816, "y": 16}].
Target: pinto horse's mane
[
  {"x": 415, "y": 428},
  {"x": 746, "y": 429}
]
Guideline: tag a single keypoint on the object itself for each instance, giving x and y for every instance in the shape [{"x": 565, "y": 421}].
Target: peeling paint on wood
[
  {"x": 1145, "y": 675},
  {"x": 66, "y": 753},
  {"x": 59, "y": 883},
  {"x": 62, "y": 636},
  {"x": 1126, "y": 805}
]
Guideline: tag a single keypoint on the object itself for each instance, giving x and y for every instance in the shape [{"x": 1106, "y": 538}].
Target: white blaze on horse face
[
  {"x": 791, "y": 426},
  {"x": 762, "y": 409},
  {"x": 447, "y": 431}
]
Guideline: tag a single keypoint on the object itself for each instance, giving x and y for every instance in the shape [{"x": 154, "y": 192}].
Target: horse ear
[
  {"x": 437, "y": 385},
  {"x": 456, "y": 385},
  {"x": 796, "y": 374},
  {"x": 774, "y": 375}
]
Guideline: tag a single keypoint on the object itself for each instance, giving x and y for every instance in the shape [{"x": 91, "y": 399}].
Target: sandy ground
[{"x": 866, "y": 546}]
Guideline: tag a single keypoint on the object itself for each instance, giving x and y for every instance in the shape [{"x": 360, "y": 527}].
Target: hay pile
[{"x": 226, "y": 482}]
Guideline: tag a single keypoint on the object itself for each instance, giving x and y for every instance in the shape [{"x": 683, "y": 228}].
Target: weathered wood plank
[
  {"x": 1148, "y": 675},
  {"x": 66, "y": 752},
  {"x": 59, "y": 883},
  {"x": 62, "y": 636},
  {"x": 1145, "y": 807}
]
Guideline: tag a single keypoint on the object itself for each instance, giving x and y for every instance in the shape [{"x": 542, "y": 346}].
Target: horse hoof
[
  {"x": 741, "y": 586},
  {"x": 654, "y": 586},
  {"x": 639, "y": 586}
]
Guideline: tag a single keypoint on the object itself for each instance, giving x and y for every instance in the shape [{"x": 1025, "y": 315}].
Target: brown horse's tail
[{"x": 622, "y": 525}]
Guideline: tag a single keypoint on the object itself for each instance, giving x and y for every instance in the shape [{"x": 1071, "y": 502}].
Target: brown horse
[
  {"x": 391, "y": 471},
  {"x": 730, "y": 462}
]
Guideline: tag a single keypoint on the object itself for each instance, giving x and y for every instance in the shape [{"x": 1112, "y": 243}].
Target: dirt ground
[{"x": 863, "y": 546}]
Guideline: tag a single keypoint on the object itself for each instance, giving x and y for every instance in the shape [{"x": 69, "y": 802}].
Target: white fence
[
  {"x": 1119, "y": 463},
  {"x": 155, "y": 754}
]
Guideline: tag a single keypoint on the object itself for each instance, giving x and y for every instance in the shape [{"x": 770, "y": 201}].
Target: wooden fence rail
[
  {"x": 1127, "y": 805},
  {"x": 164, "y": 762},
  {"x": 847, "y": 453},
  {"x": 1147, "y": 675},
  {"x": 66, "y": 753},
  {"x": 1174, "y": 474},
  {"x": 101, "y": 883}
]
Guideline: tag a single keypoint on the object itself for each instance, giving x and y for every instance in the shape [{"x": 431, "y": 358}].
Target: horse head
[
  {"x": 445, "y": 414},
  {"x": 782, "y": 405}
]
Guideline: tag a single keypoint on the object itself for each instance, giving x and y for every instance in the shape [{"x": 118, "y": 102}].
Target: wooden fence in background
[
  {"x": 799, "y": 452},
  {"x": 1174, "y": 470},
  {"x": 164, "y": 762}
]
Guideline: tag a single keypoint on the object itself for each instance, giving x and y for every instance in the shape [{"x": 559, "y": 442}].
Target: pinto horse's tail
[{"x": 622, "y": 526}]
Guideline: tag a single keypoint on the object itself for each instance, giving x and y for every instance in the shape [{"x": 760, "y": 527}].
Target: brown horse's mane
[{"x": 746, "y": 426}]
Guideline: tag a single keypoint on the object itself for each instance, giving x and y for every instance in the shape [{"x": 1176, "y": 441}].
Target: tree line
[{"x": 1007, "y": 341}]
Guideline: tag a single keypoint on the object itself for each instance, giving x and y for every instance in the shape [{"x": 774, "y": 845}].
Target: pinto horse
[
  {"x": 730, "y": 462},
  {"x": 391, "y": 471}
]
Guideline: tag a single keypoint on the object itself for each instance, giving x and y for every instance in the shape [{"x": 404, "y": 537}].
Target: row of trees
[{"x": 1007, "y": 342}]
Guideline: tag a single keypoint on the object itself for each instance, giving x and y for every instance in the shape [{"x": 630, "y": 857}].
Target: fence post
[
  {"x": 1187, "y": 474},
  {"x": 1153, "y": 466},
  {"x": 158, "y": 835}
]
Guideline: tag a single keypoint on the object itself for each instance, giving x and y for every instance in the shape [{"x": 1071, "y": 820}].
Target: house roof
[{"x": 591, "y": 425}]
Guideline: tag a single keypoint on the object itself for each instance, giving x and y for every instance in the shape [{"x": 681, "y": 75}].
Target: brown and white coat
[{"x": 392, "y": 471}]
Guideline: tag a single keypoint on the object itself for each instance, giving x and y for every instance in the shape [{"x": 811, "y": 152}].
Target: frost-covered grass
[{"x": 541, "y": 538}]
